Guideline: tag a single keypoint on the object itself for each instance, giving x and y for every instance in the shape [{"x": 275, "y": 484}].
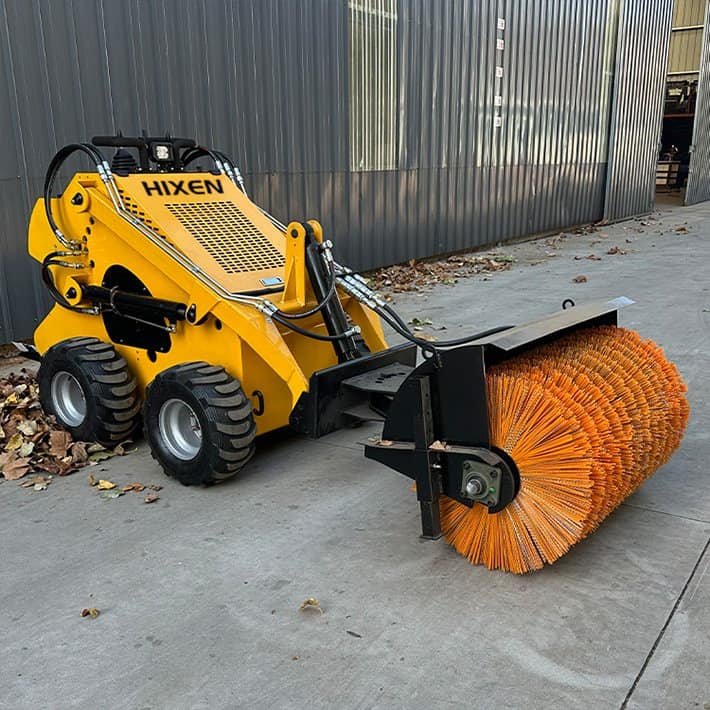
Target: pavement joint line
[
  {"x": 663, "y": 630},
  {"x": 665, "y": 512}
]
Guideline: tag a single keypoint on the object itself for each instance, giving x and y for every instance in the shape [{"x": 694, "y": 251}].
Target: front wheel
[
  {"x": 88, "y": 387},
  {"x": 199, "y": 423}
]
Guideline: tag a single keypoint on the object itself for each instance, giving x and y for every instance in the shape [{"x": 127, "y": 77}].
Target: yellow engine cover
[{"x": 213, "y": 223}]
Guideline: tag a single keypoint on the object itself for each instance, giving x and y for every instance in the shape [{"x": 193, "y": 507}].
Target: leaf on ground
[
  {"x": 616, "y": 250},
  {"x": 28, "y": 427},
  {"x": 78, "y": 452},
  {"x": 155, "y": 487},
  {"x": 15, "y": 468},
  {"x": 92, "y": 611},
  {"x": 311, "y": 603},
  {"x": 137, "y": 487},
  {"x": 91, "y": 480},
  {"x": 105, "y": 485},
  {"x": 100, "y": 455},
  {"x": 26, "y": 449},
  {"x": 151, "y": 498},
  {"x": 579, "y": 279},
  {"x": 39, "y": 483},
  {"x": 591, "y": 257},
  {"x": 15, "y": 442},
  {"x": 59, "y": 442},
  {"x": 110, "y": 495},
  {"x": 93, "y": 448},
  {"x": 353, "y": 633}
]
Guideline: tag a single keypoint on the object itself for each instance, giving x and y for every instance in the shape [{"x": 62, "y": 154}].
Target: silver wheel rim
[
  {"x": 180, "y": 429},
  {"x": 68, "y": 399}
]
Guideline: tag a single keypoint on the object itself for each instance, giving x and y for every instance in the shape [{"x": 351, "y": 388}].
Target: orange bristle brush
[{"x": 586, "y": 419}]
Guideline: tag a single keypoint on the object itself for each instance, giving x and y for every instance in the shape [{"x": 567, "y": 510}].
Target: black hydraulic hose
[
  {"x": 54, "y": 292},
  {"x": 319, "y": 306},
  {"x": 49, "y": 260},
  {"x": 53, "y": 169},
  {"x": 199, "y": 151},
  {"x": 308, "y": 333},
  {"x": 395, "y": 321}
]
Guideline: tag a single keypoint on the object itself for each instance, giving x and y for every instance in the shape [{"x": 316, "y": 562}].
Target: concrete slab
[
  {"x": 199, "y": 592},
  {"x": 677, "y": 673}
]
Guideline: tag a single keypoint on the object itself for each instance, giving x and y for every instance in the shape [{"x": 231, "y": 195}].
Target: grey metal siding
[
  {"x": 698, "y": 188},
  {"x": 641, "y": 57},
  {"x": 269, "y": 82}
]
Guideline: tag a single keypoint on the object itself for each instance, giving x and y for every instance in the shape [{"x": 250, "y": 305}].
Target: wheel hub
[
  {"x": 180, "y": 429},
  {"x": 68, "y": 399}
]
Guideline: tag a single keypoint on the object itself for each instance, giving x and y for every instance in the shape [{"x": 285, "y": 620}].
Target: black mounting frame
[{"x": 436, "y": 431}]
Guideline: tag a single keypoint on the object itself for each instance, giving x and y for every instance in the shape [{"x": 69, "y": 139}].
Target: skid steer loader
[{"x": 184, "y": 307}]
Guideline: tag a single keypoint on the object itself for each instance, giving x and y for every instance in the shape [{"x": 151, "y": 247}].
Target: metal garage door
[
  {"x": 636, "y": 115},
  {"x": 699, "y": 175}
]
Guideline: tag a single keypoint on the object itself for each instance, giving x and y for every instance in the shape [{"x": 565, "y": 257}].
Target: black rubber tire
[
  {"x": 109, "y": 388},
  {"x": 223, "y": 411}
]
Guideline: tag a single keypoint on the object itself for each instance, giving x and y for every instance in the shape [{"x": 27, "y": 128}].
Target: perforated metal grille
[
  {"x": 227, "y": 235},
  {"x": 133, "y": 208}
]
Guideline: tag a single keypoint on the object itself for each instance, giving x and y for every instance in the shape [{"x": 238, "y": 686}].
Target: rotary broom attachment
[
  {"x": 586, "y": 420},
  {"x": 522, "y": 443}
]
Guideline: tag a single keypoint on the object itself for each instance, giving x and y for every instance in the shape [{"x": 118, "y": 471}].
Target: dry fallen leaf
[
  {"x": 15, "y": 442},
  {"x": 311, "y": 603},
  {"x": 100, "y": 455},
  {"x": 28, "y": 427},
  {"x": 616, "y": 250},
  {"x": 91, "y": 480},
  {"x": 155, "y": 487},
  {"x": 106, "y": 485},
  {"x": 78, "y": 452},
  {"x": 137, "y": 487},
  {"x": 92, "y": 611},
  {"x": 15, "y": 468},
  {"x": 59, "y": 443},
  {"x": 579, "y": 279},
  {"x": 110, "y": 495},
  {"x": 37, "y": 482},
  {"x": 151, "y": 498}
]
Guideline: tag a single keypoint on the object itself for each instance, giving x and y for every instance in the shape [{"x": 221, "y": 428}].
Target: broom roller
[{"x": 578, "y": 413}]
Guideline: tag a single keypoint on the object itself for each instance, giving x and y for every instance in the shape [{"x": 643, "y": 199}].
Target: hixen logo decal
[{"x": 183, "y": 187}]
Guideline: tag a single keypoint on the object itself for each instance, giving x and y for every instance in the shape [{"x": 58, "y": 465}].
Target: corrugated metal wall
[
  {"x": 462, "y": 180},
  {"x": 637, "y": 114},
  {"x": 686, "y": 39},
  {"x": 500, "y": 126},
  {"x": 698, "y": 189}
]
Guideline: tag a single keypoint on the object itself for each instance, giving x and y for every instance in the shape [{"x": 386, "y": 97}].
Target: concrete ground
[{"x": 199, "y": 592}]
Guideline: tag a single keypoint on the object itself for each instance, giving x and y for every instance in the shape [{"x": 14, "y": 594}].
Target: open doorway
[{"x": 680, "y": 101}]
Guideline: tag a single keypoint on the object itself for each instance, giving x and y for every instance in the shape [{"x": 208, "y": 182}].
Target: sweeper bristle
[{"x": 586, "y": 419}]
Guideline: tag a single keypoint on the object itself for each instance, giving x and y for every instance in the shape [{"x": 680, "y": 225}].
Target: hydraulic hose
[
  {"x": 308, "y": 333},
  {"x": 318, "y": 307},
  {"x": 74, "y": 248},
  {"x": 50, "y": 177}
]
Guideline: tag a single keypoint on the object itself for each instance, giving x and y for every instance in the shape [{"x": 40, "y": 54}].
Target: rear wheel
[
  {"x": 88, "y": 387},
  {"x": 199, "y": 423}
]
